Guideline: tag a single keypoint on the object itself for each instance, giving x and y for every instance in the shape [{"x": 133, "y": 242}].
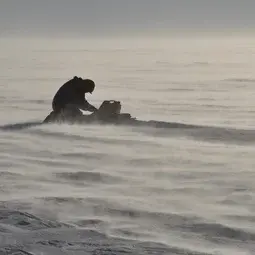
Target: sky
[{"x": 124, "y": 17}]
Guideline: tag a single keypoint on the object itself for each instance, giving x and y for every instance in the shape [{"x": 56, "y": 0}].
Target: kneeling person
[{"x": 70, "y": 98}]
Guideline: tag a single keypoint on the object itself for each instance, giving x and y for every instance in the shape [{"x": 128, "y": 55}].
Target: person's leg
[
  {"x": 52, "y": 117},
  {"x": 70, "y": 112}
]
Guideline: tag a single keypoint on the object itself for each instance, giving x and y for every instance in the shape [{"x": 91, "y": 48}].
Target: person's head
[{"x": 87, "y": 85}]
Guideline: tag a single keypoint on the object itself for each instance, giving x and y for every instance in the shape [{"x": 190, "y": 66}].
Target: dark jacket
[{"x": 73, "y": 93}]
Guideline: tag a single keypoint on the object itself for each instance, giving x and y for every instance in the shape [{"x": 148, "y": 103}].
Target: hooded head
[
  {"x": 86, "y": 85},
  {"x": 89, "y": 85}
]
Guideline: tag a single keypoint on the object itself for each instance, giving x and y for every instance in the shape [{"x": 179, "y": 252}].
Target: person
[
  {"x": 70, "y": 99},
  {"x": 72, "y": 93}
]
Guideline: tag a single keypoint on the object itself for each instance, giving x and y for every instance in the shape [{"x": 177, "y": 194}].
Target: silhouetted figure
[
  {"x": 70, "y": 98},
  {"x": 73, "y": 93}
]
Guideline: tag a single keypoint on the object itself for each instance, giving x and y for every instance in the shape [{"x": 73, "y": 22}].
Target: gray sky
[{"x": 102, "y": 17}]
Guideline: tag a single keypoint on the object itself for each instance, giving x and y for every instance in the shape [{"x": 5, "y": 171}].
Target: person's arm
[{"x": 86, "y": 106}]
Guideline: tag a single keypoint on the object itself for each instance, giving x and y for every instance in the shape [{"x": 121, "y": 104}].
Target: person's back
[{"x": 72, "y": 94}]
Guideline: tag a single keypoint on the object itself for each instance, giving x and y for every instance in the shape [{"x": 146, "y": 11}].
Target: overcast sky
[{"x": 87, "y": 17}]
